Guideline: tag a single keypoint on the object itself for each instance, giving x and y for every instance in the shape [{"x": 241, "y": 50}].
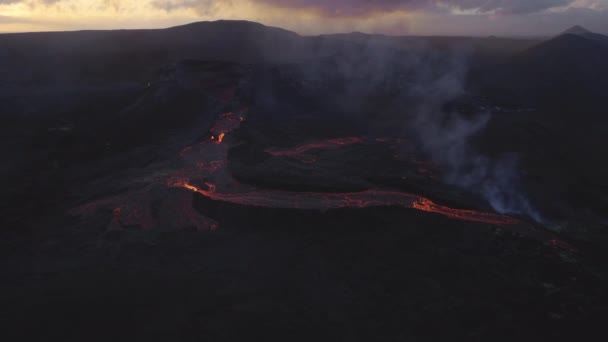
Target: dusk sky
[{"x": 396, "y": 17}]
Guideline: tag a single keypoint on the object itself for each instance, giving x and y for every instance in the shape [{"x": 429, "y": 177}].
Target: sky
[{"x": 311, "y": 17}]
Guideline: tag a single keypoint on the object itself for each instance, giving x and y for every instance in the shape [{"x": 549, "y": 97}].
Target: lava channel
[{"x": 326, "y": 201}]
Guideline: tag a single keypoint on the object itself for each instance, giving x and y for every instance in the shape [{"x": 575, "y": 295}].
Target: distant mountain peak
[{"x": 577, "y": 30}]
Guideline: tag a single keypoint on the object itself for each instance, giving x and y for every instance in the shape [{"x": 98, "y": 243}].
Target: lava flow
[
  {"x": 306, "y": 153},
  {"x": 207, "y": 162},
  {"x": 327, "y": 201},
  {"x": 426, "y": 204}
]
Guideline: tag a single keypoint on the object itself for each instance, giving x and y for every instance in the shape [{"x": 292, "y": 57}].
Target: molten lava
[
  {"x": 462, "y": 214},
  {"x": 325, "y": 201}
]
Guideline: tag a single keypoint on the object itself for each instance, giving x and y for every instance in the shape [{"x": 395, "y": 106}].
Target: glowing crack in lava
[{"x": 299, "y": 152}]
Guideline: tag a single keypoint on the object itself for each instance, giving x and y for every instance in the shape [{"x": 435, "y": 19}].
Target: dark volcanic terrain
[{"x": 228, "y": 181}]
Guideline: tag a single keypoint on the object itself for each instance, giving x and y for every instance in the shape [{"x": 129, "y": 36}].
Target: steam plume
[{"x": 446, "y": 136}]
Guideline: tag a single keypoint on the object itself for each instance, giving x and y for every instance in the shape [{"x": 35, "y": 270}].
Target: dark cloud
[
  {"x": 352, "y": 7},
  {"x": 168, "y": 5},
  {"x": 363, "y": 7},
  {"x": 360, "y": 7},
  {"x": 206, "y": 7},
  {"x": 509, "y": 6}
]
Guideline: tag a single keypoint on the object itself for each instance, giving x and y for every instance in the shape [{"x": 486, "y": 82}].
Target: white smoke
[{"x": 446, "y": 137}]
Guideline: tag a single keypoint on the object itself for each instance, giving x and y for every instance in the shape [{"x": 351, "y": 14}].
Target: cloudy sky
[{"x": 420, "y": 17}]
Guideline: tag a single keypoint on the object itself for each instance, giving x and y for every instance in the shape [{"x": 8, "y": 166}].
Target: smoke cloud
[{"x": 446, "y": 136}]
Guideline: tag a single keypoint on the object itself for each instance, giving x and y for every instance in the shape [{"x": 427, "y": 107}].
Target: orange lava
[
  {"x": 220, "y": 137},
  {"x": 425, "y": 204},
  {"x": 189, "y": 187}
]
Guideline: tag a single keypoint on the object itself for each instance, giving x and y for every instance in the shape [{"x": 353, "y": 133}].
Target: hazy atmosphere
[{"x": 394, "y": 17}]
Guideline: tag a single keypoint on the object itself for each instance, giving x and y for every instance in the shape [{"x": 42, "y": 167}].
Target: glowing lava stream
[{"x": 326, "y": 201}]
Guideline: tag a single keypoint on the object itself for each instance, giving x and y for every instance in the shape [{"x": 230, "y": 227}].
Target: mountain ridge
[{"x": 577, "y": 30}]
